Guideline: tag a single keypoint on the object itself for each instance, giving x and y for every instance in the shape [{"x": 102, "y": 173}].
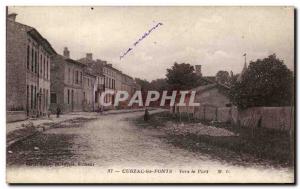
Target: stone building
[
  {"x": 129, "y": 85},
  {"x": 28, "y": 64},
  {"x": 210, "y": 94},
  {"x": 66, "y": 83},
  {"x": 95, "y": 68},
  {"x": 109, "y": 74},
  {"x": 89, "y": 88},
  {"x": 109, "y": 80}
]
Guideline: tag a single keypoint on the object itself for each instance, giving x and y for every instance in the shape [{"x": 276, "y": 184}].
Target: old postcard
[{"x": 150, "y": 94}]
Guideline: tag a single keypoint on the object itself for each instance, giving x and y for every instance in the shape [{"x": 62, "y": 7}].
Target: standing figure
[
  {"x": 58, "y": 111},
  {"x": 49, "y": 113},
  {"x": 146, "y": 115}
]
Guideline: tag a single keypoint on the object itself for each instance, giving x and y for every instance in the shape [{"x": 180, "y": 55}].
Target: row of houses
[{"x": 40, "y": 80}]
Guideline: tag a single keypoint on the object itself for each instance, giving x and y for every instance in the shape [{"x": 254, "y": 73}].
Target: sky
[{"x": 214, "y": 37}]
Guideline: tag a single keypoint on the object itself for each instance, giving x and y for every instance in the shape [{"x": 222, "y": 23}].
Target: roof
[
  {"x": 89, "y": 74},
  {"x": 102, "y": 63},
  {"x": 89, "y": 71},
  {"x": 70, "y": 60},
  {"x": 36, "y": 35},
  {"x": 74, "y": 62},
  {"x": 203, "y": 88}
]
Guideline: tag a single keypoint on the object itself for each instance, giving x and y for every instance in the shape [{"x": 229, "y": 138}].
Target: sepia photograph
[{"x": 150, "y": 94}]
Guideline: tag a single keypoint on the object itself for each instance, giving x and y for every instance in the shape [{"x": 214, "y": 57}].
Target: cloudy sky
[{"x": 215, "y": 37}]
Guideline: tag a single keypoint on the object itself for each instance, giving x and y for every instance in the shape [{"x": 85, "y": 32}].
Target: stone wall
[
  {"x": 279, "y": 118},
  {"x": 12, "y": 116}
]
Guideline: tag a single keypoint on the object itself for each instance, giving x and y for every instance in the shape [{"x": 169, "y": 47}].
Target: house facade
[
  {"x": 27, "y": 69},
  {"x": 66, "y": 83},
  {"x": 89, "y": 82},
  {"x": 95, "y": 68},
  {"x": 109, "y": 80}
]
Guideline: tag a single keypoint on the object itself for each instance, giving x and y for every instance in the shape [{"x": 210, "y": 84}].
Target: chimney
[
  {"x": 66, "y": 52},
  {"x": 12, "y": 16},
  {"x": 198, "y": 70},
  {"x": 89, "y": 56}
]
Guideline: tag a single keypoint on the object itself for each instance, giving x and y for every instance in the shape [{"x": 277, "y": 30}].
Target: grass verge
[{"x": 252, "y": 146}]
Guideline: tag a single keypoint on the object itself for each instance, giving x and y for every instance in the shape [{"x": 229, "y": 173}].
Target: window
[
  {"x": 32, "y": 63},
  {"x": 68, "y": 96},
  {"x": 53, "y": 98},
  {"x": 44, "y": 66},
  {"x": 69, "y": 75},
  {"x": 34, "y": 96},
  {"x": 31, "y": 97},
  {"x": 73, "y": 76},
  {"x": 76, "y": 77},
  {"x": 36, "y": 62},
  {"x": 47, "y": 97},
  {"x": 44, "y": 97},
  {"x": 80, "y": 77},
  {"x": 27, "y": 97},
  {"x": 47, "y": 68},
  {"x": 96, "y": 97},
  {"x": 28, "y": 56},
  {"x": 41, "y": 65}
]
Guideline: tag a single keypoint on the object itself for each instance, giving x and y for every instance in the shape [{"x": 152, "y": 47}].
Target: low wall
[
  {"x": 12, "y": 116},
  {"x": 279, "y": 118}
]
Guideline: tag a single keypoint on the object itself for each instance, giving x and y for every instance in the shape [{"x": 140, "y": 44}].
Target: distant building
[
  {"x": 95, "y": 67},
  {"x": 213, "y": 95},
  {"x": 89, "y": 82},
  {"x": 129, "y": 85},
  {"x": 66, "y": 83},
  {"x": 111, "y": 81},
  {"x": 198, "y": 70},
  {"x": 27, "y": 69},
  {"x": 209, "y": 93}
]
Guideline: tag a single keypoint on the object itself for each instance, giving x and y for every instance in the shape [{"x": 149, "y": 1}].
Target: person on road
[
  {"x": 49, "y": 113},
  {"x": 146, "y": 115},
  {"x": 58, "y": 111}
]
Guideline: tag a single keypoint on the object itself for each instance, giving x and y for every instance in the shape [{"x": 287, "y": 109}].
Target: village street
[{"x": 114, "y": 141}]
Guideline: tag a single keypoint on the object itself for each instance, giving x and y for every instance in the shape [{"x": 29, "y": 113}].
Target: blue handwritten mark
[{"x": 141, "y": 39}]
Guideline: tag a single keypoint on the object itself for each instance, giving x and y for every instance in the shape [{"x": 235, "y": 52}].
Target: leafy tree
[
  {"x": 182, "y": 77},
  {"x": 159, "y": 85},
  {"x": 266, "y": 82},
  {"x": 145, "y": 85},
  {"x": 222, "y": 77}
]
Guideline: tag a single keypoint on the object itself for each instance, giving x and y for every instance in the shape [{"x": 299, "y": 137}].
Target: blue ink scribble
[{"x": 141, "y": 39}]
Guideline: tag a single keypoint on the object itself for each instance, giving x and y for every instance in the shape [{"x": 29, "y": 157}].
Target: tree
[
  {"x": 266, "y": 82},
  {"x": 145, "y": 85},
  {"x": 182, "y": 77},
  {"x": 222, "y": 77},
  {"x": 159, "y": 85}
]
